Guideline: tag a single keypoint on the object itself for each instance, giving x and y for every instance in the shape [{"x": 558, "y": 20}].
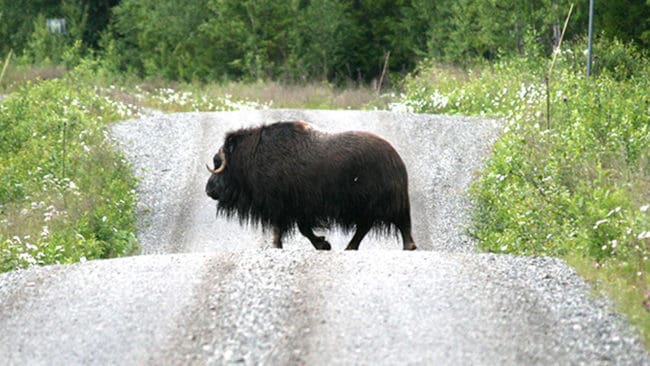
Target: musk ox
[{"x": 289, "y": 174}]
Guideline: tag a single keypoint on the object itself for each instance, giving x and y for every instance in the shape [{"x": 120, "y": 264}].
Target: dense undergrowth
[
  {"x": 66, "y": 194},
  {"x": 570, "y": 176}
]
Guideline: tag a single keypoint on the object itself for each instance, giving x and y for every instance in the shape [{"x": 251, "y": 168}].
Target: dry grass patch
[
  {"x": 311, "y": 96},
  {"x": 184, "y": 97},
  {"x": 15, "y": 76}
]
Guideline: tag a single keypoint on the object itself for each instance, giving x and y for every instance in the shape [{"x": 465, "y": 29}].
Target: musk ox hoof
[
  {"x": 322, "y": 245},
  {"x": 410, "y": 246}
]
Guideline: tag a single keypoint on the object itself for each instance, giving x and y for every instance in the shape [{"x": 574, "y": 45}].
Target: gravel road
[{"x": 206, "y": 290}]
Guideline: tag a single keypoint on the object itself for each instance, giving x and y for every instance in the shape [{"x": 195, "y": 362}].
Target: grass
[
  {"x": 184, "y": 97},
  {"x": 18, "y": 75},
  {"x": 626, "y": 287},
  {"x": 574, "y": 183}
]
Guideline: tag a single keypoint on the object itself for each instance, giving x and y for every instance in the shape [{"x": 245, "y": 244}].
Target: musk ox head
[
  {"x": 288, "y": 174},
  {"x": 215, "y": 184}
]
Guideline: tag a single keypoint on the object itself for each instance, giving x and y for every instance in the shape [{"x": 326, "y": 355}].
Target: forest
[{"x": 302, "y": 40}]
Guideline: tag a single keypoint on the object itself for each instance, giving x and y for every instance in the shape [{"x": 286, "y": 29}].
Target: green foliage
[
  {"x": 618, "y": 59},
  {"x": 512, "y": 27},
  {"x": 333, "y": 39},
  {"x": 255, "y": 34},
  {"x": 44, "y": 48},
  {"x": 159, "y": 38},
  {"x": 20, "y": 19},
  {"x": 628, "y": 20},
  {"x": 17, "y": 21},
  {"x": 223, "y": 39},
  {"x": 320, "y": 41},
  {"x": 65, "y": 193},
  {"x": 302, "y": 40}
]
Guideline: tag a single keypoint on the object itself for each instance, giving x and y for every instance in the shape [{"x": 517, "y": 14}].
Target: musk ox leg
[
  {"x": 277, "y": 237},
  {"x": 362, "y": 230},
  {"x": 318, "y": 242},
  {"x": 407, "y": 239}
]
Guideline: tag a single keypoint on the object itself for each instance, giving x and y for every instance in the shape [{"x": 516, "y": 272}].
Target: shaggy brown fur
[{"x": 289, "y": 174}]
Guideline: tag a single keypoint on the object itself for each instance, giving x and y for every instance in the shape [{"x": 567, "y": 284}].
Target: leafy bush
[{"x": 65, "y": 193}]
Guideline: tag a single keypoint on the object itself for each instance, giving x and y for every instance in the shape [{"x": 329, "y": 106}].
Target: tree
[
  {"x": 158, "y": 38},
  {"x": 17, "y": 21},
  {"x": 492, "y": 28},
  {"x": 85, "y": 19},
  {"x": 627, "y": 20},
  {"x": 255, "y": 33},
  {"x": 321, "y": 42}
]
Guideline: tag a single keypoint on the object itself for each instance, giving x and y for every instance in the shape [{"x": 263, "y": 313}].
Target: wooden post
[
  {"x": 6, "y": 63},
  {"x": 590, "y": 36},
  {"x": 383, "y": 72}
]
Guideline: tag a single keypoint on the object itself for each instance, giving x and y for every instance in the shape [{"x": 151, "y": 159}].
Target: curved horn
[
  {"x": 210, "y": 170},
  {"x": 223, "y": 164}
]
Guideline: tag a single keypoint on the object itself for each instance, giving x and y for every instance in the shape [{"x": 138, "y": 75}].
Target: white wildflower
[
  {"x": 610, "y": 213},
  {"x": 26, "y": 257},
  {"x": 600, "y": 222}
]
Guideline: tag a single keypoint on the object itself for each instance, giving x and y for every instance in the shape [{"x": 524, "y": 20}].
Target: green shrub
[
  {"x": 65, "y": 193},
  {"x": 44, "y": 48}
]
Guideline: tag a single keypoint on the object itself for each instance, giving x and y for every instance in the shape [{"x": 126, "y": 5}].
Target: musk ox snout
[
  {"x": 211, "y": 189},
  {"x": 288, "y": 174}
]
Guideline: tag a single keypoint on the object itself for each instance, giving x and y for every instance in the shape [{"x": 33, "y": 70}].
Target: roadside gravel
[{"x": 299, "y": 306}]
